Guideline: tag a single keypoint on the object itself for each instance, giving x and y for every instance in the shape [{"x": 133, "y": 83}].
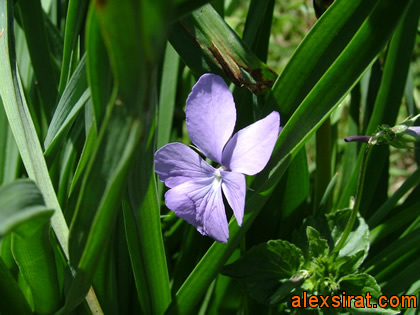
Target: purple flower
[{"x": 196, "y": 186}]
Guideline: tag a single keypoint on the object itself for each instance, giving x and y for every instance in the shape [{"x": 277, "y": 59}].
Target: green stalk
[
  {"x": 358, "y": 198},
  {"x": 323, "y": 163}
]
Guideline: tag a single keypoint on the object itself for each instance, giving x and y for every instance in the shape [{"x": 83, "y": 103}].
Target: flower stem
[{"x": 358, "y": 198}]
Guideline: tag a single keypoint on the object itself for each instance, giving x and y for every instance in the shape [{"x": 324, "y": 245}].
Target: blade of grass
[
  {"x": 207, "y": 44},
  {"x": 144, "y": 202},
  {"x": 136, "y": 258},
  {"x": 98, "y": 68},
  {"x": 387, "y": 207},
  {"x": 9, "y": 154},
  {"x": 75, "y": 15},
  {"x": 71, "y": 102},
  {"x": 36, "y": 37},
  {"x": 317, "y": 53},
  {"x": 257, "y": 27},
  {"x": 21, "y": 123},
  {"x": 405, "y": 216},
  {"x": 185, "y": 7},
  {"x": 167, "y": 95},
  {"x": 390, "y": 93}
]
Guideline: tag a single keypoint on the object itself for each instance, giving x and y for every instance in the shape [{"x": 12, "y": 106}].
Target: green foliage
[{"x": 90, "y": 90}]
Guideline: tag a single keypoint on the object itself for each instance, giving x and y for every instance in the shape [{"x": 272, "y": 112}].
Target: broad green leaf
[
  {"x": 21, "y": 202},
  {"x": 207, "y": 44},
  {"x": 12, "y": 299},
  {"x": 36, "y": 261},
  {"x": 23, "y": 212},
  {"x": 265, "y": 268},
  {"x": 184, "y": 7}
]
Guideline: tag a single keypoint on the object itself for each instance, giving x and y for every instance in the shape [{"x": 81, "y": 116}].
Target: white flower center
[{"x": 217, "y": 178}]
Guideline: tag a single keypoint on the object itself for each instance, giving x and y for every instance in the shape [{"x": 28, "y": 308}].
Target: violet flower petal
[
  {"x": 250, "y": 148},
  {"x": 200, "y": 204},
  {"x": 176, "y": 163},
  {"x": 234, "y": 188},
  {"x": 210, "y": 115}
]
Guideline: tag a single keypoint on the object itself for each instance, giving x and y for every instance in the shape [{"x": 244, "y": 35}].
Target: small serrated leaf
[
  {"x": 265, "y": 268},
  {"x": 360, "y": 284},
  {"x": 318, "y": 246}
]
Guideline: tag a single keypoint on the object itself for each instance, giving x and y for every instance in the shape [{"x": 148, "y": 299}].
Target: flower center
[{"x": 217, "y": 177}]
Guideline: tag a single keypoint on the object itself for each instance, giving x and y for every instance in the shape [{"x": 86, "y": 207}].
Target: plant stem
[
  {"x": 358, "y": 198},
  {"x": 323, "y": 163}
]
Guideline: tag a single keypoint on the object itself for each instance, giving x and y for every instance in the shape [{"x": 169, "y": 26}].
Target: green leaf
[
  {"x": 167, "y": 96},
  {"x": 136, "y": 258},
  {"x": 317, "y": 53},
  {"x": 12, "y": 299},
  {"x": 75, "y": 14},
  {"x": 405, "y": 215},
  {"x": 412, "y": 181},
  {"x": 258, "y": 25},
  {"x": 21, "y": 202},
  {"x": 184, "y": 7},
  {"x": 71, "y": 102},
  {"x": 207, "y": 44},
  {"x": 132, "y": 59},
  {"x": 385, "y": 110},
  {"x": 36, "y": 36},
  {"x": 22, "y": 125},
  {"x": 98, "y": 199},
  {"x": 132, "y": 56},
  {"x": 318, "y": 246},
  {"x": 98, "y": 68},
  {"x": 144, "y": 202},
  {"x": 268, "y": 269},
  {"x": 360, "y": 284},
  {"x": 9, "y": 153},
  {"x": 23, "y": 212},
  {"x": 36, "y": 261},
  {"x": 358, "y": 239}
]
